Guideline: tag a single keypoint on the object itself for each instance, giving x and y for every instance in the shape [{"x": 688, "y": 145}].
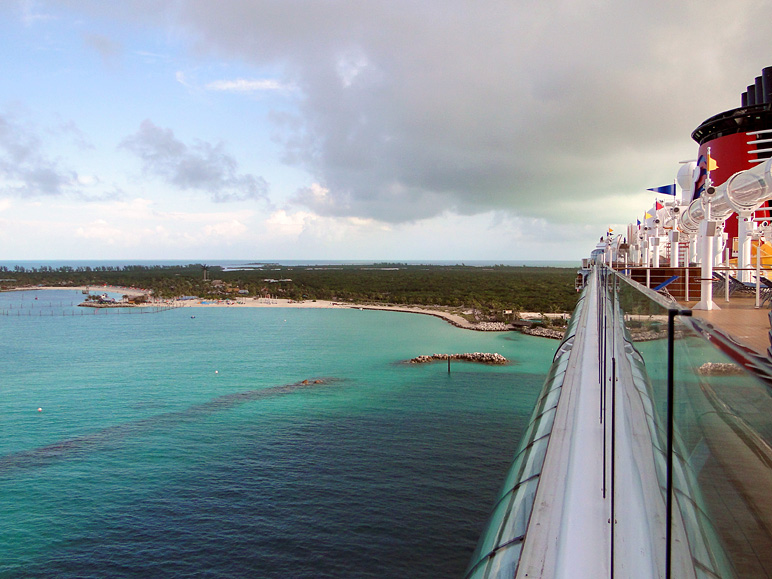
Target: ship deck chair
[
  {"x": 734, "y": 284},
  {"x": 737, "y": 285},
  {"x": 662, "y": 288},
  {"x": 765, "y": 291},
  {"x": 719, "y": 281}
]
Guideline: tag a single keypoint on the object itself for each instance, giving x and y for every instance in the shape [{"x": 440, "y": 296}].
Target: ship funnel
[
  {"x": 751, "y": 95},
  {"x": 766, "y": 83},
  {"x": 760, "y": 92}
]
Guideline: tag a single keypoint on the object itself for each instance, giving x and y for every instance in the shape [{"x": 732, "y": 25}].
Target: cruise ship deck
[
  {"x": 649, "y": 453},
  {"x": 740, "y": 318}
]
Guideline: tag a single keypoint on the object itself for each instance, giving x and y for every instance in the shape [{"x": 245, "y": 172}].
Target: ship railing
[
  {"x": 707, "y": 404},
  {"x": 686, "y": 288}
]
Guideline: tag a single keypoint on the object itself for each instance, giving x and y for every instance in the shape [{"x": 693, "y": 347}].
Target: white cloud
[
  {"x": 200, "y": 166},
  {"x": 410, "y": 123},
  {"x": 107, "y": 48},
  {"x": 411, "y": 109},
  {"x": 26, "y": 169},
  {"x": 226, "y": 229},
  {"x": 288, "y": 224},
  {"x": 103, "y": 232},
  {"x": 31, "y": 12},
  {"x": 245, "y": 85}
]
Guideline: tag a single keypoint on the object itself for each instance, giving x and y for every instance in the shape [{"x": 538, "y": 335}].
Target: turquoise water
[{"x": 171, "y": 445}]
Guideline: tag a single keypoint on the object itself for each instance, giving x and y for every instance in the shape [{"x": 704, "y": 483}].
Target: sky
[{"x": 353, "y": 129}]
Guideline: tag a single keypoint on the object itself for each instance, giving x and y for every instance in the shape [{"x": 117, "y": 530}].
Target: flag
[
  {"x": 665, "y": 189},
  {"x": 639, "y": 223},
  {"x": 700, "y": 177},
  {"x": 712, "y": 165},
  {"x": 658, "y": 206},
  {"x": 648, "y": 215}
]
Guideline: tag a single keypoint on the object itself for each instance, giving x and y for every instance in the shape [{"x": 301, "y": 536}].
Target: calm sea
[
  {"x": 240, "y": 263},
  {"x": 168, "y": 445}
]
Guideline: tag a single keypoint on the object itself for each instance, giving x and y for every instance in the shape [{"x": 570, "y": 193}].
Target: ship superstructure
[{"x": 649, "y": 452}]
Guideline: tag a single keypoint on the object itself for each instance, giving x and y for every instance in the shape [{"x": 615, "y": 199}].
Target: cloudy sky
[{"x": 352, "y": 129}]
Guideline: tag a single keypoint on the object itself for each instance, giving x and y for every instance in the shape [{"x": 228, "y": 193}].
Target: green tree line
[{"x": 490, "y": 290}]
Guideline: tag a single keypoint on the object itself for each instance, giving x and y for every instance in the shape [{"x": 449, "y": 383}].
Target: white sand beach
[{"x": 253, "y": 302}]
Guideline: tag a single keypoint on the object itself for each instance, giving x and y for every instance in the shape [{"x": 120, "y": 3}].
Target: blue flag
[{"x": 665, "y": 189}]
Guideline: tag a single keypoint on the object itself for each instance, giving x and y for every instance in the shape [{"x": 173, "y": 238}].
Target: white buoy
[
  {"x": 216, "y": 371},
  {"x": 40, "y": 410}
]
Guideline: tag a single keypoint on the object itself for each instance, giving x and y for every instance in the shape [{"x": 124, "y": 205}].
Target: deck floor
[{"x": 739, "y": 318}]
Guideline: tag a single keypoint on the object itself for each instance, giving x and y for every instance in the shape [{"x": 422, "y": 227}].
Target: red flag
[{"x": 659, "y": 206}]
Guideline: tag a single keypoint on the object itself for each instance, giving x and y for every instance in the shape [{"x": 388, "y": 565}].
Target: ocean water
[
  {"x": 239, "y": 263},
  {"x": 176, "y": 446}
]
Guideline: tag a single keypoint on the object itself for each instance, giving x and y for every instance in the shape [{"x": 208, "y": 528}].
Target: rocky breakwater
[
  {"x": 479, "y": 357},
  {"x": 720, "y": 369},
  {"x": 544, "y": 332},
  {"x": 491, "y": 327}
]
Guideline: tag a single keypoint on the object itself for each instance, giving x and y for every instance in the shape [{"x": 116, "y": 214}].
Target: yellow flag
[
  {"x": 647, "y": 216},
  {"x": 712, "y": 165}
]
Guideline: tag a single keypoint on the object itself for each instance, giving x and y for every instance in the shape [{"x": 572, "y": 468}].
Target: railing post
[
  {"x": 686, "y": 277},
  {"x": 671, "y": 314}
]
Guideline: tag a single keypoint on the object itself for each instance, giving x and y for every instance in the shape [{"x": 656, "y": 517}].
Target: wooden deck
[{"x": 739, "y": 318}]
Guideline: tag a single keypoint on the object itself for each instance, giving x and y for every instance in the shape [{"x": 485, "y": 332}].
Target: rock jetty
[
  {"x": 544, "y": 332},
  {"x": 720, "y": 369},
  {"x": 479, "y": 357},
  {"x": 491, "y": 327}
]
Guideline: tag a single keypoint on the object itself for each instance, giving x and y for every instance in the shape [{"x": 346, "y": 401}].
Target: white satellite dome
[{"x": 685, "y": 176}]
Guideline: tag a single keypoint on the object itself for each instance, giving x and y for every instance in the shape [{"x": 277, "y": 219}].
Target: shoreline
[{"x": 252, "y": 302}]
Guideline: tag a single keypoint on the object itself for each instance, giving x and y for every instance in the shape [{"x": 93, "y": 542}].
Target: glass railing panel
[
  {"x": 519, "y": 512},
  {"x": 543, "y": 424},
  {"x": 722, "y": 445},
  {"x": 723, "y": 417},
  {"x": 505, "y": 532},
  {"x": 489, "y": 541},
  {"x": 535, "y": 458},
  {"x": 504, "y": 563},
  {"x": 640, "y": 336}
]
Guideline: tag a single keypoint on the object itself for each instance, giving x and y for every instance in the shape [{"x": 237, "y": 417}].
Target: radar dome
[{"x": 685, "y": 176}]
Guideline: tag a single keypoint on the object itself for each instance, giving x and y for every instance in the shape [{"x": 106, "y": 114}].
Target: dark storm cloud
[{"x": 201, "y": 166}]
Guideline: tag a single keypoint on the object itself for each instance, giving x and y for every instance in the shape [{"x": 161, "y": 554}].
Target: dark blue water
[{"x": 171, "y": 446}]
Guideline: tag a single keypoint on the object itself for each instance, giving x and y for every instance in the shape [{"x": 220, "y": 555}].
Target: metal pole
[
  {"x": 613, "y": 424},
  {"x": 686, "y": 277},
  {"x": 613, "y": 451},
  {"x": 758, "y": 274},
  {"x": 671, "y": 314}
]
